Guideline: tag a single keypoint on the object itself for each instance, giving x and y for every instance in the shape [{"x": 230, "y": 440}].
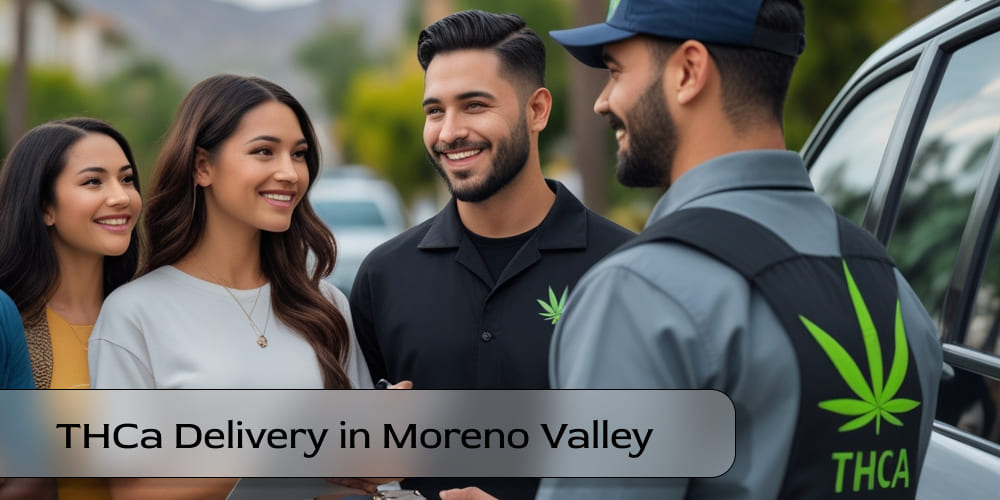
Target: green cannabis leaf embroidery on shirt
[
  {"x": 553, "y": 308},
  {"x": 876, "y": 401}
]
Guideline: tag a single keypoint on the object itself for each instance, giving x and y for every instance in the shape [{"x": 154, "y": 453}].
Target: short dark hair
[
  {"x": 752, "y": 79},
  {"x": 521, "y": 51}
]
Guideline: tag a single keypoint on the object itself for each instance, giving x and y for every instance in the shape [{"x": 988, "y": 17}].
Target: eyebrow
[
  {"x": 271, "y": 138},
  {"x": 463, "y": 96},
  {"x": 608, "y": 58},
  {"x": 102, "y": 170}
]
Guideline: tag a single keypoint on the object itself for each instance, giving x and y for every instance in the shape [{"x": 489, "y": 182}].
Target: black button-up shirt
[{"x": 426, "y": 308}]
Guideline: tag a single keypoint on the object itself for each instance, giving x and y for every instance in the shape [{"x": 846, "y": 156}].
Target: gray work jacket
[{"x": 664, "y": 316}]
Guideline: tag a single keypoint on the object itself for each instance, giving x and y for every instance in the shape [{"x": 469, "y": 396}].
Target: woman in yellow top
[{"x": 69, "y": 200}]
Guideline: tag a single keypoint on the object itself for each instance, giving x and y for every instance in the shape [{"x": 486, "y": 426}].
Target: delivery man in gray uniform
[{"x": 744, "y": 280}]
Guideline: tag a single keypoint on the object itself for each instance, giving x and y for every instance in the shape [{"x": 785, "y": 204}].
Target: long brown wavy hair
[{"x": 175, "y": 215}]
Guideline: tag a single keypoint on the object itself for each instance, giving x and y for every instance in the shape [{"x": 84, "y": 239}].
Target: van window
[
  {"x": 844, "y": 172},
  {"x": 983, "y": 333},
  {"x": 946, "y": 171},
  {"x": 971, "y": 401}
]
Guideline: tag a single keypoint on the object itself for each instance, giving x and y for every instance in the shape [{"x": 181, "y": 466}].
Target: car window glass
[
  {"x": 349, "y": 213},
  {"x": 845, "y": 169},
  {"x": 970, "y": 402},
  {"x": 983, "y": 333},
  {"x": 946, "y": 170}
]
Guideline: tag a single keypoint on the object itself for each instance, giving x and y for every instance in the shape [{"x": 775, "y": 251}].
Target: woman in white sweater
[{"x": 225, "y": 298}]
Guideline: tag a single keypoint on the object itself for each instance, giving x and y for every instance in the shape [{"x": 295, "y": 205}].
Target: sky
[{"x": 268, "y": 4}]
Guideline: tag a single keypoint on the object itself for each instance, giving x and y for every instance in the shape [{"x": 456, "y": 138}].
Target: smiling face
[
  {"x": 633, "y": 100},
  {"x": 95, "y": 203},
  {"x": 258, "y": 175},
  {"x": 475, "y": 128}
]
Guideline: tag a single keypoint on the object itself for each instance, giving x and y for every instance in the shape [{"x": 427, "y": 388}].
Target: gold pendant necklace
[{"x": 261, "y": 339}]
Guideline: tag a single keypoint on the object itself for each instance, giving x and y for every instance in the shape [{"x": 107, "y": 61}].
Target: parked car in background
[
  {"x": 909, "y": 149},
  {"x": 361, "y": 210}
]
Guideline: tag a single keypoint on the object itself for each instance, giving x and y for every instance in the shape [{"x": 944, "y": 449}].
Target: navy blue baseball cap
[{"x": 728, "y": 22}]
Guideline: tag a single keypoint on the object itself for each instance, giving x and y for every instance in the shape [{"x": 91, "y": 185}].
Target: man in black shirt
[{"x": 469, "y": 298}]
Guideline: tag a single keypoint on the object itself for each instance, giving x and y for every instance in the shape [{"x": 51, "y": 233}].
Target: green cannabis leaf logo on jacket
[
  {"x": 875, "y": 401},
  {"x": 553, "y": 308}
]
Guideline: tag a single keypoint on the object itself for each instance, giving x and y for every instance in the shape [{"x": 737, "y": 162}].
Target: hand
[
  {"x": 366, "y": 484},
  {"x": 470, "y": 493},
  {"x": 403, "y": 384}
]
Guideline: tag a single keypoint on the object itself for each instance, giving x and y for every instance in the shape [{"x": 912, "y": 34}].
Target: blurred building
[{"x": 61, "y": 35}]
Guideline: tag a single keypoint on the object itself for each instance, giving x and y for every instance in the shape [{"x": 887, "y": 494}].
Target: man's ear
[
  {"x": 538, "y": 109},
  {"x": 689, "y": 68},
  {"x": 202, "y": 168}
]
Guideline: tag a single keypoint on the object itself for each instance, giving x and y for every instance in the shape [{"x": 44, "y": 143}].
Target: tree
[
  {"x": 377, "y": 101},
  {"x": 333, "y": 58},
  {"x": 383, "y": 127},
  {"x": 140, "y": 101},
  {"x": 17, "y": 88},
  {"x": 839, "y": 37},
  {"x": 542, "y": 17},
  {"x": 591, "y": 154},
  {"x": 52, "y": 94}
]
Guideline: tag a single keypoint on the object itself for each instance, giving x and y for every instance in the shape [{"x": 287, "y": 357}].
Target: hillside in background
[
  {"x": 199, "y": 38},
  {"x": 203, "y": 37}
]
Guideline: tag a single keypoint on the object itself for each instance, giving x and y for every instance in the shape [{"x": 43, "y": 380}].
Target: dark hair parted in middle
[
  {"x": 520, "y": 50},
  {"x": 175, "y": 214},
  {"x": 29, "y": 270}
]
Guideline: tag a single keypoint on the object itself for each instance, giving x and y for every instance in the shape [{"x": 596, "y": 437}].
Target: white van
[{"x": 910, "y": 149}]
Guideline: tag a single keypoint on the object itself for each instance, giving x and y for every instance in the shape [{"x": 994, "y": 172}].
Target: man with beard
[
  {"x": 469, "y": 299},
  {"x": 744, "y": 280}
]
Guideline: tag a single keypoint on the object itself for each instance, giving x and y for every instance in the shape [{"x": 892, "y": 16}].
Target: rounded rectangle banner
[{"x": 407, "y": 433}]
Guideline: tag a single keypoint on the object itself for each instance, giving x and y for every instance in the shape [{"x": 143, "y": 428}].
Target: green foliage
[
  {"x": 382, "y": 127},
  {"x": 333, "y": 58},
  {"x": 140, "y": 101},
  {"x": 52, "y": 94},
  {"x": 542, "y": 17},
  {"x": 377, "y": 100},
  {"x": 839, "y": 37}
]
